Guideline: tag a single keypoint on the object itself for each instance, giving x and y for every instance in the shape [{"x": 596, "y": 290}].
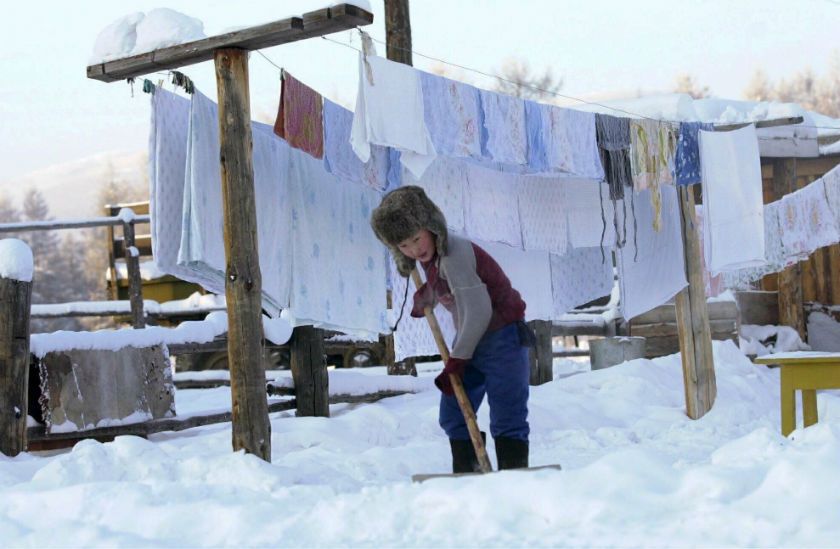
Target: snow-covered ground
[{"x": 636, "y": 472}]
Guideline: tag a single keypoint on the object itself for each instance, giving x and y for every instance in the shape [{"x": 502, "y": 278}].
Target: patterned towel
[{"x": 300, "y": 117}]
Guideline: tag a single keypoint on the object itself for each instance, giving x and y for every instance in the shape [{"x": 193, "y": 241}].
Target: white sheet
[
  {"x": 658, "y": 272},
  {"x": 542, "y": 214},
  {"x": 506, "y": 140},
  {"x": 578, "y": 277},
  {"x": 490, "y": 211},
  {"x": 807, "y": 221},
  {"x": 445, "y": 182},
  {"x": 389, "y": 112},
  {"x": 590, "y": 212},
  {"x": 732, "y": 199},
  {"x": 529, "y": 273}
]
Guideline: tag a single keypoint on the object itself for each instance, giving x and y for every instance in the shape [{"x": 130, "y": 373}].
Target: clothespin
[
  {"x": 282, "y": 74},
  {"x": 148, "y": 87},
  {"x": 181, "y": 79},
  {"x": 131, "y": 84}
]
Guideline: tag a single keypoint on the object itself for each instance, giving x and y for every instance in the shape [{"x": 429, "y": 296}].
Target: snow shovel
[{"x": 463, "y": 403}]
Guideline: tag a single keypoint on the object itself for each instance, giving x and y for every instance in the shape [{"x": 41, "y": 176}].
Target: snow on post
[{"x": 15, "y": 301}]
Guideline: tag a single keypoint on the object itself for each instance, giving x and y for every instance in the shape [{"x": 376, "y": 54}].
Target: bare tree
[
  {"x": 759, "y": 87},
  {"x": 517, "y": 79},
  {"x": 813, "y": 92},
  {"x": 685, "y": 83}
]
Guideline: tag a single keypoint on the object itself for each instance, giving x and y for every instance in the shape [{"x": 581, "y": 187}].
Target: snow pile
[
  {"x": 138, "y": 33},
  {"x": 823, "y": 332},
  {"x": 764, "y": 340},
  {"x": 16, "y": 260},
  {"x": 636, "y": 473},
  {"x": 276, "y": 330}
]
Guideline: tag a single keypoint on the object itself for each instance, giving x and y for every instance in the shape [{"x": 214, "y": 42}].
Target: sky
[{"x": 52, "y": 113}]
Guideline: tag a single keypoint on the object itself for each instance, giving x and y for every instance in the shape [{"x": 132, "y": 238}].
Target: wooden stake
[
  {"x": 309, "y": 372},
  {"x": 693, "y": 319},
  {"x": 135, "y": 291},
  {"x": 457, "y": 386},
  {"x": 398, "y": 31},
  {"x": 15, "y": 299},
  {"x": 541, "y": 357},
  {"x": 791, "y": 312},
  {"x": 243, "y": 283}
]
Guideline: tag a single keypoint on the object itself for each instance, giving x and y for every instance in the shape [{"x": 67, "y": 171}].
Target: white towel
[
  {"x": 529, "y": 273},
  {"x": 445, "y": 182},
  {"x": 542, "y": 214},
  {"x": 338, "y": 278},
  {"x": 578, "y": 277},
  {"x": 505, "y": 138},
  {"x": 490, "y": 211},
  {"x": 732, "y": 199},
  {"x": 807, "y": 221},
  {"x": 591, "y": 214},
  {"x": 656, "y": 273},
  {"x": 202, "y": 243},
  {"x": 167, "y": 161},
  {"x": 389, "y": 112}
]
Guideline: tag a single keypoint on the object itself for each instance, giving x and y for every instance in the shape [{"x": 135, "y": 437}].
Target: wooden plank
[
  {"x": 143, "y": 243},
  {"x": 761, "y": 308},
  {"x": 58, "y": 224},
  {"x": 834, "y": 269},
  {"x": 541, "y": 356},
  {"x": 284, "y": 31},
  {"x": 790, "y": 280},
  {"x": 772, "y": 123},
  {"x": 15, "y": 300},
  {"x": 309, "y": 372},
  {"x": 692, "y": 319},
  {"x": 243, "y": 281}
]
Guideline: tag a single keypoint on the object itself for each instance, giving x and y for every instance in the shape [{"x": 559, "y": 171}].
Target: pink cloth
[{"x": 300, "y": 117}]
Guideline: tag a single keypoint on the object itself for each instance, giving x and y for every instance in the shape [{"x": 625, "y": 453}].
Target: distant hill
[{"x": 72, "y": 188}]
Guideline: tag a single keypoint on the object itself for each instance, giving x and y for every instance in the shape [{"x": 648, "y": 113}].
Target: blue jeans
[{"x": 499, "y": 367}]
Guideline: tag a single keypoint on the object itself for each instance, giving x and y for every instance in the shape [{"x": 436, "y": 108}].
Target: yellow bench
[{"x": 806, "y": 372}]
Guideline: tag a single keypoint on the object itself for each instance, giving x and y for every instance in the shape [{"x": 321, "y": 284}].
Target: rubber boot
[
  {"x": 511, "y": 453},
  {"x": 463, "y": 455}
]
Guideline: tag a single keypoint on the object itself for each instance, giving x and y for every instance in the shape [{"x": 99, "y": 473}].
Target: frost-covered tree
[
  {"x": 685, "y": 83},
  {"x": 811, "y": 91},
  {"x": 519, "y": 80}
]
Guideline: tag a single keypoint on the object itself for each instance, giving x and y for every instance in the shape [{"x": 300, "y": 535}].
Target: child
[{"x": 489, "y": 351}]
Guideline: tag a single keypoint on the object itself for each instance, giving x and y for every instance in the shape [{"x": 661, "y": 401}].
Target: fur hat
[{"x": 401, "y": 214}]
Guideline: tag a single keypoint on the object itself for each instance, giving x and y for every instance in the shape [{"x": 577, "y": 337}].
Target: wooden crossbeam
[
  {"x": 775, "y": 122},
  {"x": 312, "y": 24}
]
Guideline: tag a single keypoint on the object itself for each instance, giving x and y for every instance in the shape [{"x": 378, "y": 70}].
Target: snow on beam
[{"x": 317, "y": 23}]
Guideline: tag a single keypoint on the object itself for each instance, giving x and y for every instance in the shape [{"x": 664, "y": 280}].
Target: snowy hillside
[
  {"x": 636, "y": 473},
  {"x": 71, "y": 189}
]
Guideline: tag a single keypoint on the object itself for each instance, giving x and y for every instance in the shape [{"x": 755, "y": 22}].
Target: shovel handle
[{"x": 457, "y": 386}]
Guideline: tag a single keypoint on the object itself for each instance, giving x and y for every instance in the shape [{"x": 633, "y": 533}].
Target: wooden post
[
  {"x": 135, "y": 289},
  {"x": 15, "y": 300},
  {"x": 309, "y": 372},
  {"x": 398, "y": 31},
  {"x": 541, "y": 357},
  {"x": 693, "y": 319},
  {"x": 791, "y": 312},
  {"x": 243, "y": 282}
]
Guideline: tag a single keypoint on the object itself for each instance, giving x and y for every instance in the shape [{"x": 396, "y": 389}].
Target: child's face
[{"x": 419, "y": 246}]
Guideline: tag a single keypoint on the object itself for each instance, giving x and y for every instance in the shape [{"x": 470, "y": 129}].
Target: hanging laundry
[
  {"x": 713, "y": 284},
  {"x": 453, "y": 116},
  {"x": 504, "y": 137},
  {"x": 300, "y": 117},
  {"x": 594, "y": 219},
  {"x": 389, "y": 112},
  {"x": 613, "y": 138},
  {"x": 807, "y": 221},
  {"x": 537, "y": 159},
  {"x": 338, "y": 265},
  {"x": 490, "y": 211},
  {"x": 687, "y": 159},
  {"x": 202, "y": 243},
  {"x": 529, "y": 273},
  {"x": 655, "y": 272},
  {"x": 652, "y": 147},
  {"x": 774, "y": 254},
  {"x": 339, "y": 158},
  {"x": 578, "y": 277},
  {"x": 732, "y": 199},
  {"x": 832, "y": 192},
  {"x": 571, "y": 143},
  {"x": 167, "y": 160},
  {"x": 444, "y": 181},
  {"x": 542, "y": 214}
]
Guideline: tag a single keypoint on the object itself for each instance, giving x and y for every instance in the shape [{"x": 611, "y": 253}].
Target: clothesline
[{"x": 536, "y": 88}]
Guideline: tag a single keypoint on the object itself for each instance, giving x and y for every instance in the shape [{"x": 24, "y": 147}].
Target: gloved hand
[
  {"x": 423, "y": 297},
  {"x": 454, "y": 366}
]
